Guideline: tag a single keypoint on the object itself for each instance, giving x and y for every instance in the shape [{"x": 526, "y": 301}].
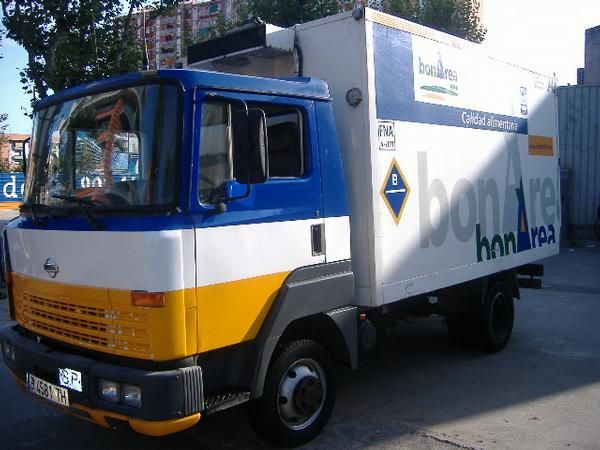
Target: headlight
[
  {"x": 131, "y": 395},
  {"x": 109, "y": 390},
  {"x": 9, "y": 351}
]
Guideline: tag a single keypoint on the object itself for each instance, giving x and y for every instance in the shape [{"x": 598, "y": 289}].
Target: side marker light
[{"x": 148, "y": 299}]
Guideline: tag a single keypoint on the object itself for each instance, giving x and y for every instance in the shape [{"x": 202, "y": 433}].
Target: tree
[
  {"x": 286, "y": 13},
  {"x": 221, "y": 26},
  {"x": 406, "y": 9},
  {"x": 468, "y": 25},
  {"x": 4, "y": 165},
  {"x": 72, "y": 42},
  {"x": 3, "y": 127},
  {"x": 3, "y": 117},
  {"x": 457, "y": 17}
]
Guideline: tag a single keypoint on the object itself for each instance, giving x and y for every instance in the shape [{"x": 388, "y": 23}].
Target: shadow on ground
[{"x": 415, "y": 382}]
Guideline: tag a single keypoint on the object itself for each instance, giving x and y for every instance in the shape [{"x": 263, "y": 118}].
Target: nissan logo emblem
[{"x": 51, "y": 267}]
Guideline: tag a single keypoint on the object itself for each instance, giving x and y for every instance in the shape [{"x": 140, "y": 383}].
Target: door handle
[{"x": 317, "y": 233}]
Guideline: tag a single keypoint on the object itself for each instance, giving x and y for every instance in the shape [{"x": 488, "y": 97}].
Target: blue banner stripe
[
  {"x": 11, "y": 185},
  {"x": 395, "y": 96},
  {"x": 452, "y": 116}
]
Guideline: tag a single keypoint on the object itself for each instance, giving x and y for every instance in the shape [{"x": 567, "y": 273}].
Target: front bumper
[{"x": 172, "y": 400}]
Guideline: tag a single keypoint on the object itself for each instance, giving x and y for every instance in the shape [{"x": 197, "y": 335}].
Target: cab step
[{"x": 225, "y": 400}]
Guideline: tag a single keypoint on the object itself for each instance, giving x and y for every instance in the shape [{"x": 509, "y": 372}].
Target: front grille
[{"x": 118, "y": 330}]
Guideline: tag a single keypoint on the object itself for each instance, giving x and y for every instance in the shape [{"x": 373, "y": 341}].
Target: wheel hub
[
  {"x": 301, "y": 394},
  {"x": 308, "y": 395}
]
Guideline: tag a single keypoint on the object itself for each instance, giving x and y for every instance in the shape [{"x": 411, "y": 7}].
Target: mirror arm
[
  {"x": 242, "y": 197},
  {"x": 221, "y": 205},
  {"x": 26, "y": 141}
]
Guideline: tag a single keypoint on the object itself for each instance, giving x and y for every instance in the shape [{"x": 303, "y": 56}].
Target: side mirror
[{"x": 250, "y": 163}]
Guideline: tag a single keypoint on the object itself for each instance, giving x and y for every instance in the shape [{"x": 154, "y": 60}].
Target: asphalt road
[
  {"x": 418, "y": 392},
  {"x": 7, "y": 214}
]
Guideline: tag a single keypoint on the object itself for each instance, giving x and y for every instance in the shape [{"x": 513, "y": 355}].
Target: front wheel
[{"x": 298, "y": 395}]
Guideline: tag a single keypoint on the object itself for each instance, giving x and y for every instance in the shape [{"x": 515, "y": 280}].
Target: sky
[
  {"x": 12, "y": 96},
  {"x": 546, "y": 36}
]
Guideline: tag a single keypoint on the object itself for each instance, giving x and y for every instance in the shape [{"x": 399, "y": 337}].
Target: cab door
[{"x": 250, "y": 238}]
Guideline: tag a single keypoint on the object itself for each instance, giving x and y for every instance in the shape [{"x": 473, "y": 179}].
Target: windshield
[{"x": 112, "y": 150}]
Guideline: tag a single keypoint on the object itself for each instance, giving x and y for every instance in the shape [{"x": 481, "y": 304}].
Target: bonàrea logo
[{"x": 475, "y": 208}]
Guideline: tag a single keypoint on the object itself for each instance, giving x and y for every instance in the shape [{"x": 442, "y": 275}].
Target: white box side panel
[
  {"x": 334, "y": 50},
  {"x": 466, "y": 164},
  {"x": 377, "y": 206}
]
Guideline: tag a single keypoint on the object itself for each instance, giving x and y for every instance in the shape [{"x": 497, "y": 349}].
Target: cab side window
[
  {"x": 285, "y": 145},
  {"x": 215, "y": 150},
  {"x": 284, "y": 131}
]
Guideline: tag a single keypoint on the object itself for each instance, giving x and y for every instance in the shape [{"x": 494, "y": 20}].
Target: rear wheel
[
  {"x": 298, "y": 395},
  {"x": 497, "y": 317},
  {"x": 489, "y": 325}
]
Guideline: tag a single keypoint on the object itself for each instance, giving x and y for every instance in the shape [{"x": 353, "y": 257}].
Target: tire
[
  {"x": 489, "y": 326},
  {"x": 497, "y": 317},
  {"x": 302, "y": 370}
]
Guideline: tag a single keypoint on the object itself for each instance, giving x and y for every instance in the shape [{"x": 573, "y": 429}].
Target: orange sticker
[{"x": 541, "y": 145}]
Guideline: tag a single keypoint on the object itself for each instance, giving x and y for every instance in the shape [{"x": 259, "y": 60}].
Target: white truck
[{"x": 191, "y": 240}]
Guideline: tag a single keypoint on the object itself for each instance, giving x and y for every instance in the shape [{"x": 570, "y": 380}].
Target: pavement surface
[
  {"x": 7, "y": 214},
  {"x": 419, "y": 391}
]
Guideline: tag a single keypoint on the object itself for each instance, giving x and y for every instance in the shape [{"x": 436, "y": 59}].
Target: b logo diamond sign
[{"x": 395, "y": 191}]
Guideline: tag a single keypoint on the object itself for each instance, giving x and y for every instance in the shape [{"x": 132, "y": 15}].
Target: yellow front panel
[
  {"x": 191, "y": 340},
  {"x": 233, "y": 312},
  {"x": 166, "y": 324},
  {"x": 104, "y": 319}
]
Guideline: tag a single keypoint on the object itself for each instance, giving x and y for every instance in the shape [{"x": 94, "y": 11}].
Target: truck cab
[{"x": 163, "y": 214}]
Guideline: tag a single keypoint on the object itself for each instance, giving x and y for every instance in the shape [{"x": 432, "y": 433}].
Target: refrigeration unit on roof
[{"x": 240, "y": 47}]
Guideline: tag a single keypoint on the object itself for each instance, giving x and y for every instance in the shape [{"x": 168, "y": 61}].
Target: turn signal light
[{"x": 148, "y": 299}]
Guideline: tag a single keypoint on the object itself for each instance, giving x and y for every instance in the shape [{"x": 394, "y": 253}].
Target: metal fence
[{"x": 579, "y": 150}]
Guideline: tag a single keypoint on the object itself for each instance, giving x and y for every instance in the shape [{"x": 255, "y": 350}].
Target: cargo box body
[{"x": 450, "y": 158}]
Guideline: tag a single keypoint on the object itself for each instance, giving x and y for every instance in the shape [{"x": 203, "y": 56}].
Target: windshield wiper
[
  {"x": 31, "y": 206},
  {"x": 82, "y": 203}
]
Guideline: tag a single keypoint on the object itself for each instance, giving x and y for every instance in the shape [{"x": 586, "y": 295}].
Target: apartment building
[
  {"x": 165, "y": 37},
  {"x": 592, "y": 56},
  {"x": 11, "y": 153}
]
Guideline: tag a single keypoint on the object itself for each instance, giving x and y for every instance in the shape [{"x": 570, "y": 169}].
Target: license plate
[
  {"x": 49, "y": 391},
  {"x": 70, "y": 378}
]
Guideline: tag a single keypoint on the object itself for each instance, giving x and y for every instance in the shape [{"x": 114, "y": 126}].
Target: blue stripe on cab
[{"x": 335, "y": 199}]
